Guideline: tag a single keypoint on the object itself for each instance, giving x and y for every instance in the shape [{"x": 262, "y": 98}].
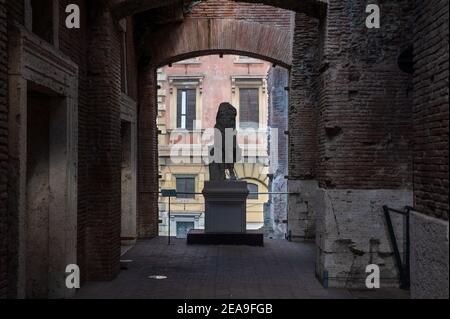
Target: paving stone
[{"x": 279, "y": 270}]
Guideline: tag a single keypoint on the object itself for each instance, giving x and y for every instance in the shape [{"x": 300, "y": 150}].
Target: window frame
[
  {"x": 251, "y": 82},
  {"x": 55, "y": 19},
  {"x": 186, "y": 196},
  {"x": 250, "y": 111},
  {"x": 185, "y": 109},
  {"x": 180, "y": 82}
]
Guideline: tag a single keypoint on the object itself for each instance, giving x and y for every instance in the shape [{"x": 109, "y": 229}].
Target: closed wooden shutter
[
  {"x": 179, "y": 101},
  {"x": 191, "y": 103},
  {"x": 249, "y": 108},
  {"x": 186, "y": 185}
]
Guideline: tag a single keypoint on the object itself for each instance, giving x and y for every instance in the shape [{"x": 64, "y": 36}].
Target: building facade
[{"x": 189, "y": 95}]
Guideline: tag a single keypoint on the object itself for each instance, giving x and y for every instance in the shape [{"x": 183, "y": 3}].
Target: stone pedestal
[{"x": 225, "y": 207}]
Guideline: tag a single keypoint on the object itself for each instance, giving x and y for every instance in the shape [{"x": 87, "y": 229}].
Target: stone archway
[{"x": 195, "y": 37}]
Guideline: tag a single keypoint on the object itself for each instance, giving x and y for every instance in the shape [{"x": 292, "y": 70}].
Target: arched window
[{"x": 253, "y": 189}]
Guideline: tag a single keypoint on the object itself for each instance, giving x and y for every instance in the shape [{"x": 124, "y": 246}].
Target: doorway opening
[
  {"x": 128, "y": 184},
  {"x": 47, "y": 226}
]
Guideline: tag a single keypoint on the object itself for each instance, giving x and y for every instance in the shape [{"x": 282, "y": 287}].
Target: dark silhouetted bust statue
[{"x": 226, "y": 125}]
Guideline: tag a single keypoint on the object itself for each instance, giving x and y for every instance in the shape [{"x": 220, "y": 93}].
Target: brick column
[
  {"x": 431, "y": 108},
  {"x": 302, "y": 98},
  {"x": 303, "y": 142},
  {"x": 104, "y": 212},
  {"x": 147, "y": 216},
  {"x": 3, "y": 149}
]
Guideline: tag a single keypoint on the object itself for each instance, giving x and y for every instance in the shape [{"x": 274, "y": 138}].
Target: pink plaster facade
[{"x": 217, "y": 73}]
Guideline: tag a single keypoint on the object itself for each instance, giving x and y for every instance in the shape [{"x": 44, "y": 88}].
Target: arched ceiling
[{"x": 195, "y": 37}]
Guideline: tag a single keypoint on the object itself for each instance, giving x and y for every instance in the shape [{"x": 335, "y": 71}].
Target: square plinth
[{"x": 225, "y": 206}]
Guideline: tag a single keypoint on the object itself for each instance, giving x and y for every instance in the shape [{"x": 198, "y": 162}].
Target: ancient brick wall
[
  {"x": 147, "y": 210},
  {"x": 194, "y": 36},
  {"x": 225, "y": 9},
  {"x": 431, "y": 108},
  {"x": 3, "y": 149},
  {"x": 365, "y": 125},
  {"x": 365, "y": 140}
]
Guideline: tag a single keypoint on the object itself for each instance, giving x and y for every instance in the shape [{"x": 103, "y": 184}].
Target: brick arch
[
  {"x": 196, "y": 37},
  {"x": 313, "y": 8}
]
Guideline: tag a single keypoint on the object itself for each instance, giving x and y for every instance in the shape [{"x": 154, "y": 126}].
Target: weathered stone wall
[
  {"x": 431, "y": 108},
  {"x": 15, "y": 14},
  {"x": 3, "y": 149},
  {"x": 429, "y": 257},
  {"x": 429, "y": 236},
  {"x": 276, "y": 213},
  {"x": 365, "y": 138}
]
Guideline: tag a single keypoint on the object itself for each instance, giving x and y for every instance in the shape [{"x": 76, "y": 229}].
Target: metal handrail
[
  {"x": 251, "y": 193},
  {"x": 402, "y": 266}
]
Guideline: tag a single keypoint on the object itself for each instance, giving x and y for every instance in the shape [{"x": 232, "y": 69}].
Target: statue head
[{"x": 226, "y": 116}]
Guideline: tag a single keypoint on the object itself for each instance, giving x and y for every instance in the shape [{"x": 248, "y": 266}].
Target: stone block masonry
[
  {"x": 351, "y": 233},
  {"x": 429, "y": 257},
  {"x": 276, "y": 212}
]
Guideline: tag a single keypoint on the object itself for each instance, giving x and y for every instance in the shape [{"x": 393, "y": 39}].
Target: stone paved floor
[{"x": 281, "y": 269}]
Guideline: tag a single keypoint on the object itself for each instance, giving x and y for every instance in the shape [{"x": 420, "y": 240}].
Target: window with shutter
[
  {"x": 186, "y": 108},
  {"x": 185, "y": 185},
  {"x": 249, "y": 108}
]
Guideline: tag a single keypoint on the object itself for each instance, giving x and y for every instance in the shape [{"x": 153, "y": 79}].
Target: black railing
[{"x": 402, "y": 266}]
